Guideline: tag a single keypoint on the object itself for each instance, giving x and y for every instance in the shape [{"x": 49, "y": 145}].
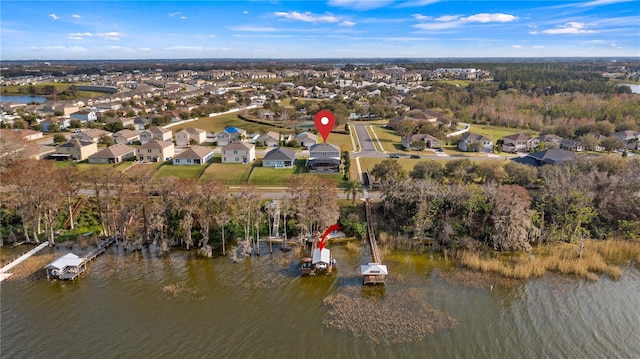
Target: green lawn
[
  {"x": 496, "y": 132},
  {"x": 388, "y": 138},
  {"x": 341, "y": 139},
  {"x": 227, "y": 173},
  {"x": 169, "y": 170}
]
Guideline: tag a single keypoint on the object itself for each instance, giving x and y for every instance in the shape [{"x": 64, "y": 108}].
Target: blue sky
[{"x": 88, "y": 30}]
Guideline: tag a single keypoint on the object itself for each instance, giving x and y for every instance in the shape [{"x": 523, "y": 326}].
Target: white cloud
[
  {"x": 533, "y": 32},
  {"x": 111, "y": 36},
  {"x": 174, "y": 14},
  {"x": 417, "y": 3},
  {"x": 448, "y": 18},
  {"x": 451, "y": 21},
  {"x": 79, "y": 35},
  {"x": 76, "y": 16},
  {"x": 569, "y": 28},
  {"x": 183, "y": 18},
  {"x": 360, "y": 4},
  {"x": 59, "y": 48},
  {"x": 245, "y": 12},
  {"x": 347, "y": 23},
  {"x": 54, "y": 16},
  {"x": 516, "y": 46},
  {"x": 251, "y": 28},
  {"x": 145, "y": 49},
  {"x": 306, "y": 16},
  {"x": 484, "y": 18},
  {"x": 601, "y": 2},
  {"x": 195, "y": 48},
  {"x": 538, "y": 47},
  {"x": 420, "y": 17},
  {"x": 438, "y": 25}
]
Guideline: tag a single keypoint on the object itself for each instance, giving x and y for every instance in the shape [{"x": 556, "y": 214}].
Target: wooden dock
[
  {"x": 373, "y": 272},
  {"x": 74, "y": 266}
]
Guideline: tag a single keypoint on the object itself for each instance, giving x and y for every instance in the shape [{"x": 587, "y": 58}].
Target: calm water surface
[
  {"x": 125, "y": 308},
  {"x": 23, "y": 99}
]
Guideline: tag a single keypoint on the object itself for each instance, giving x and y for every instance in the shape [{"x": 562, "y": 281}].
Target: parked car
[
  {"x": 440, "y": 150},
  {"x": 415, "y": 156},
  {"x": 393, "y": 155}
]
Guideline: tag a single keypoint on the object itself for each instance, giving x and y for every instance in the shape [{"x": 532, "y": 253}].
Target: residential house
[
  {"x": 475, "y": 142},
  {"x": 125, "y": 121},
  {"x": 306, "y": 139},
  {"x": 140, "y": 123},
  {"x": 190, "y": 135},
  {"x": 548, "y": 141},
  {"x": 571, "y": 145},
  {"x": 156, "y": 151},
  {"x": 75, "y": 149},
  {"x": 91, "y": 134},
  {"x": 323, "y": 158},
  {"x": 126, "y": 137},
  {"x": 269, "y": 139},
  {"x": 629, "y": 137},
  {"x": 547, "y": 157},
  {"x": 279, "y": 158},
  {"x": 113, "y": 154},
  {"x": 517, "y": 142},
  {"x": 239, "y": 152},
  {"x": 229, "y": 135},
  {"x": 156, "y": 133},
  {"x": 62, "y": 122},
  {"x": 29, "y": 135},
  {"x": 84, "y": 116},
  {"x": 429, "y": 141},
  {"x": 196, "y": 155}
]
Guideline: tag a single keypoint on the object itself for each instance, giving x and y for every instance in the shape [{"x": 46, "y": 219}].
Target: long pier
[
  {"x": 3, "y": 271},
  {"x": 373, "y": 272}
]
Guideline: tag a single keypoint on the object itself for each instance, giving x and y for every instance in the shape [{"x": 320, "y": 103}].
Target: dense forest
[{"x": 510, "y": 206}]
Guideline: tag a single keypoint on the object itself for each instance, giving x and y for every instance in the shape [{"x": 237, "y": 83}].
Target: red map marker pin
[{"x": 324, "y": 121}]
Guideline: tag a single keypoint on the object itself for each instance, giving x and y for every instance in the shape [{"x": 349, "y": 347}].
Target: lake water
[
  {"x": 23, "y": 99},
  {"x": 261, "y": 308},
  {"x": 634, "y": 88}
]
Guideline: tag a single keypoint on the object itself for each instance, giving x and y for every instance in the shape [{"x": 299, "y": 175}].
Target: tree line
[
  {"x": 511, "y": 206},
  {"x": 141, "y": 209}
]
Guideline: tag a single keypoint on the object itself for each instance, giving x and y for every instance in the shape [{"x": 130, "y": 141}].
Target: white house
[
  {"x": 239, "y": 152},
  {"x": 190, "y": 135},
  {"x": 471, "y": 140},
  {"x": 196, "y": 155}
]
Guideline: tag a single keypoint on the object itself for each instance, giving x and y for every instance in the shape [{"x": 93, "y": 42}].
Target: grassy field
[
  {"x": 341, "y": 139},
  {"x": 24, "y": 90},
  {"x": 461, "y": 83},
  {"x": 84, "y": 167},
  {"x": 389, "y": 140},
  {"x": 169, "y": 170},
  {"x": 227, "y": 173},
  {"x": 496, "y": 133}
]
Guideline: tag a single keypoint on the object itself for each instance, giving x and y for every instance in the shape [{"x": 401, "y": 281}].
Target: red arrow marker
[{"x": 325, "y": 121}]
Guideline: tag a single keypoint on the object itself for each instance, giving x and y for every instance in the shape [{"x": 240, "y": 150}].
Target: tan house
[
  {"x": 196, "y": 155},
  {"x": 156, "y": 133},
  {"x": 114, "y": 154},
  {"x": 239, "y": 152},
  {"x": 517, "y": 142},
  {"x": 75, "y": 149},
  {"x": 156, "y": 151},
  {"x": 91, "y": 134},
  {"x": 190, "y": 135},
  {"x": 29, "y": 135},
  {"x": 126, "y": 137}
]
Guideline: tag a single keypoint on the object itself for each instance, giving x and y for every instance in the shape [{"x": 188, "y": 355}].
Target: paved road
[{"x": 367, "y": 148}]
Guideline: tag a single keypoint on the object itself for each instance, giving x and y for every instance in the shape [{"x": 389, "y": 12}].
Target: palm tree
[{"x": 352, "y": 189}]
